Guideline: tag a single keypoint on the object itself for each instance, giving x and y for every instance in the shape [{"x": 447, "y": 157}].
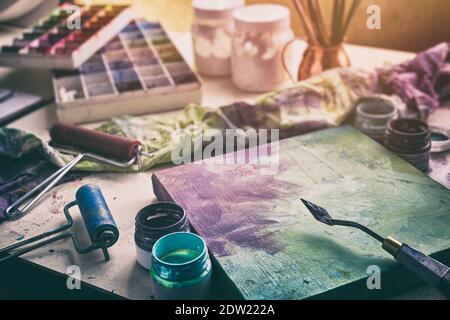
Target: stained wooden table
[{"x": 125, "y": 193}]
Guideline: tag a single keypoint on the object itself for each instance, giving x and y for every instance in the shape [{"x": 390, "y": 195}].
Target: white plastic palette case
[
  {"x": 54, "y": 44},
  {"x": 139, "y": 72}
]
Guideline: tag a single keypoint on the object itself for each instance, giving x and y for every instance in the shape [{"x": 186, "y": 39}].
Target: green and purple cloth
[{"x": 422, "y": 83}]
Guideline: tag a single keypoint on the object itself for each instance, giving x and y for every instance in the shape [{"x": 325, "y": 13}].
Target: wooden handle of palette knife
[
  {"x": 99, "y": 143},
  {"x": 428, "y": 269}
]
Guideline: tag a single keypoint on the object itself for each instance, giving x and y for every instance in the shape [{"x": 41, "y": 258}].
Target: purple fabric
[
  {"x": 443, "y": 83},
  {"x": 423, "y": 82}
]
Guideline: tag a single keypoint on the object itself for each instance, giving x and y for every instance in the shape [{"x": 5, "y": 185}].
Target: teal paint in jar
[{"x": 181, "y": 267}]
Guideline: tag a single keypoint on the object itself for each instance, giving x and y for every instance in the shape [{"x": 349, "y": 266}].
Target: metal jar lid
[{"x": 157, "y": 220}]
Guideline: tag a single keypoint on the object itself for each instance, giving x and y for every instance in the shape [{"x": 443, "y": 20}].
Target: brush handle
[{"x": 428, "y": 269}]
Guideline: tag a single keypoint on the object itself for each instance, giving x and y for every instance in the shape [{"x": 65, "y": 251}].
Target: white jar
[
  {"x": 212, "y": 30},
  {"x": 262, "y": 32}
]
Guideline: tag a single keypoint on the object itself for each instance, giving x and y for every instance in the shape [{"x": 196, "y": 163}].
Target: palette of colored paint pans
[
  {"x": 67, "y": 37},
  {"x": 139, "y": 72}
]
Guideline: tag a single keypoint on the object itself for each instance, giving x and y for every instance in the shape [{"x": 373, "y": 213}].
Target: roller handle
[
  {"x": 99, "y": 143},
  {"x": 428, "y": 269}
]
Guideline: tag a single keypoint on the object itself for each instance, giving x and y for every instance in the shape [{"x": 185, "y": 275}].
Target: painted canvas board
[{"x": 270, "y": 247}]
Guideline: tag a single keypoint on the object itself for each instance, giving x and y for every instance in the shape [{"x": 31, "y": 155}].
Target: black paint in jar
[
  {"x": 411, "y": 140},
  {"x": 153, "y": 222}
]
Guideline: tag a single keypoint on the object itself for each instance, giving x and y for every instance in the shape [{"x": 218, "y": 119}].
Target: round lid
[
  {"x": 262, "y": 17},
  {"x": 216, "y": 9}
]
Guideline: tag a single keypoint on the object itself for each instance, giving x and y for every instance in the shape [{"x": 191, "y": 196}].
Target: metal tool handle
[
  {"x": 7, "y": 255},
  {"x": 92, "y": 156},
  {"x": 13, "y": 212},
  {"x": 19, "y": 248},
  {"x": 428, "y": 269}
]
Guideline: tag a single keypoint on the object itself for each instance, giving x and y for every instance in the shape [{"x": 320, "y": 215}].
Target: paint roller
[
  {"x": 97, "y": 218},
  {"x": 117, "y": 151},
  {"x": 100, "y": 143}
]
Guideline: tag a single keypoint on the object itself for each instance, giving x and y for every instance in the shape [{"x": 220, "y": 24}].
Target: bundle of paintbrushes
[
  {"x": 315, "y": 26},
  {"x": 325, "y": 39}
]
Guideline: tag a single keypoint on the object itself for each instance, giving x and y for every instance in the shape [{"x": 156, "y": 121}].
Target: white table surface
[{"x": 124, "y": 193}]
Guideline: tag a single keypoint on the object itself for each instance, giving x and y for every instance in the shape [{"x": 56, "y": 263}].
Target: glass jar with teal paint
[{"x": 181, "y": 267}]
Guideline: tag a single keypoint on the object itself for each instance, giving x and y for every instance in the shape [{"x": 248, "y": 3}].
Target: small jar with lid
[
  {"x": 261, "y": 33},
  {"x": 153, "y": 222},
  {"x": 212, "y": 30},
  {"x": 181, "y": 267}
]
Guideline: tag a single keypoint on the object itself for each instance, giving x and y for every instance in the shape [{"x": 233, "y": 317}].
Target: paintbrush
[
  {"x": 306, "y": 22},
  {"x": 317, "y": 21},
  {"x": 350, "y": 15},
  {"x": 338, "y": 11},
  {"x": 429, "y": 270}
]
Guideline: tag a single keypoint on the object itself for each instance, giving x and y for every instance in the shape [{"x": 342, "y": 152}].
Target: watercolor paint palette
[
  {"x": 140, "y": 71},
  {"x": 66, "y": 38}
]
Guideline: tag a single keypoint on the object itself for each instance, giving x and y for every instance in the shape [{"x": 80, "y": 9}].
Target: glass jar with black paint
[{"x": 152, "y": 223}]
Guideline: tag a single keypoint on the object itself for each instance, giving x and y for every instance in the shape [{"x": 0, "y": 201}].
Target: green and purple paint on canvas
[{"x": 270, "y": 247}]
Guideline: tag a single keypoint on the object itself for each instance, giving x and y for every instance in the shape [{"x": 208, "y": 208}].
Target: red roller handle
[{"x": 99, "y": 143}]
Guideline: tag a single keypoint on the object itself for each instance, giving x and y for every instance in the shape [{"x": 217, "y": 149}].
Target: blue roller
[{"x": 97, "y": 218}]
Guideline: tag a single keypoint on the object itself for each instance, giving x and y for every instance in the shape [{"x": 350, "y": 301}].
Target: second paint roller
[
  {"x": 97, "y": 218},
  {"x": 115, "y": 150}
]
